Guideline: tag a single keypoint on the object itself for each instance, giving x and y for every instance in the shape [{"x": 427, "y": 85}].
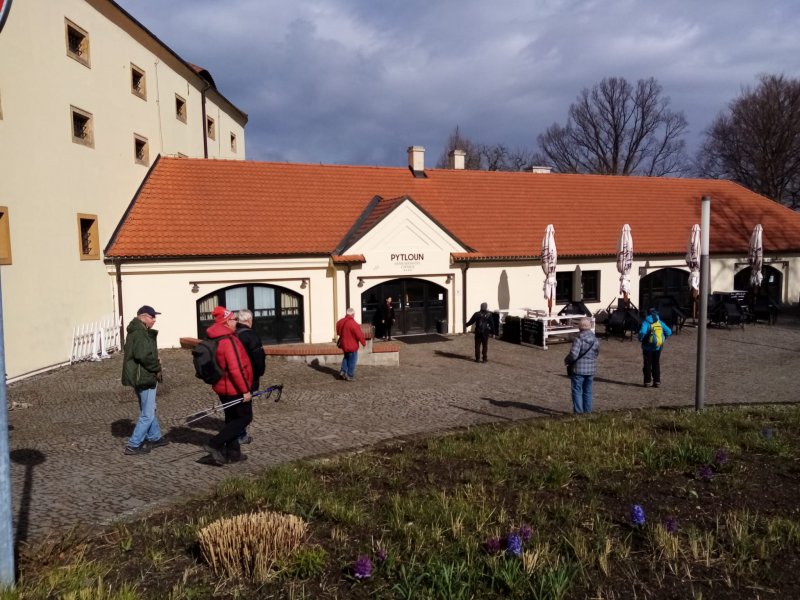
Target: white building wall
[{"x": 48, "y": 179}]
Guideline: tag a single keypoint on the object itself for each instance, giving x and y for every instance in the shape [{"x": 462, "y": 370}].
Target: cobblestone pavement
[{"x": 68, "y": 427}]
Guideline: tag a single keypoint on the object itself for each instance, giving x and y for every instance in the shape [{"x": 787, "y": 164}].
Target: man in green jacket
[{"x": 141, "y": 370}]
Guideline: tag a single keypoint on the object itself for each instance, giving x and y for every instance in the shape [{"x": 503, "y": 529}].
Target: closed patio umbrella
[
  {"x": 549, "y": 259},
  {"x": 755, "y": 256},
  {"x": 693, "y": 262},
  {"x": 625, "y": 260}
]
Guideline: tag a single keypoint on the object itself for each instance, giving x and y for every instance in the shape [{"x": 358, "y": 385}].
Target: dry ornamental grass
[{"x": 248, "y": 546}]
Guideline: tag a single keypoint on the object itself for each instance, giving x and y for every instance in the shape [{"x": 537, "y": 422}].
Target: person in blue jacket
[{"x": 652, "y": 335}]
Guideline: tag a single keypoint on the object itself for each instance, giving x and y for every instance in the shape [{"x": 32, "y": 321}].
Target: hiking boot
[
  {"x": 342, "y": 375},
  {"x": 135, "y": 450},
  {"x": 159, "y": 443},
  {"x": 234, "y": 457},
  {"x": 348, "y": 378},
  {"x": 245, "y": 439},
  {"x": 646, "y": 384},
  {"x": 656, "y": 383},
  {"x": 216, "y": 455}
]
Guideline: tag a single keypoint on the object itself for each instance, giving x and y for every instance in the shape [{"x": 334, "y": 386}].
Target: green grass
[{"x": 433, "y": 506}]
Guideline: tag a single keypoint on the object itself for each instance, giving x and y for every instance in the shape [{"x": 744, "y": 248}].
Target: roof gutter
[
  {"x": 464, "y": 296},
  {"x": 118, "y": 271}
]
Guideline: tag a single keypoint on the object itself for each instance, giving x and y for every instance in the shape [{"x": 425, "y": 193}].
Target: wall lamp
[
  {"x": 448, "y": 280},
  {"x": 195, "y": 287},
  {"x": 304, "y": 284},
  {"x": 360, "y": 282}
]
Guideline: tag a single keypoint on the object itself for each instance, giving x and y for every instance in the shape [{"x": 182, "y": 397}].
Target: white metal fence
[{"x": 94, "y": 341}]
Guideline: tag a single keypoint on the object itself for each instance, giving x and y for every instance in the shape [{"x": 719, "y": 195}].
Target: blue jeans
[
  {"x": 349, "y": 363},
  {"x": 147, "y": 427},
  {"x": 582, "y": 393}
]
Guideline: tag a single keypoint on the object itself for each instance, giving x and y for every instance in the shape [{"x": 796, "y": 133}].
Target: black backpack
[
  {"x": 204, "y": 357},
  {"x": 484, "y": 324}
]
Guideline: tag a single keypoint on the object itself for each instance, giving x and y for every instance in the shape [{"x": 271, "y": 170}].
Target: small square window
[
  {"x": 233, "y": 142},
  {"x": 77, "y": 43},
  {"x": 141, "y": 150},
  {"x": 211, "y": 128},
  {"x": 88, "y": 237},
  {"x": 138, "y": 82},
  {"x": 82, "y": 127},
  {"x": 180, "y": 108},
  {"x": 5, "y": 237}
]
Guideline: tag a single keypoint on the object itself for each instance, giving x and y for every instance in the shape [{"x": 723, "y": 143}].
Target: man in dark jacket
[
  {"x": 484, "y": 327},
  {"x": 255, "y": 350},
  {"x": 235, "y": 384},
  {"x": 386, "y": 318},
  {"x": 141, "y": 370}
]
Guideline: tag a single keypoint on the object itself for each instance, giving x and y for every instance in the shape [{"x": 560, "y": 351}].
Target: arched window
[{"x": 277, "y": 312}]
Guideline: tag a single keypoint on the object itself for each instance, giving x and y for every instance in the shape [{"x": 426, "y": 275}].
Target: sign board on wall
[{"x": 406, "y": 262}]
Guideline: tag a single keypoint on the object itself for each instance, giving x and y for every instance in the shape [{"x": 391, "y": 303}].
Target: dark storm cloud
[{"x": 357, "y": 82}]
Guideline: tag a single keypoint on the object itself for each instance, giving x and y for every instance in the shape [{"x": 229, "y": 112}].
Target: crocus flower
[
  {"x": 362, "y": 569},
  {"x": 514, "y": 544},
  {"x": 721, "y": 457},
  {"x": 525, "y": 532},
  {"x": 381, "y": 555},
  {"x": 768, "y": 433},
  {"x": 637, "y": 515},
  {"x": 705, "y": 473},
  {"x": 492, "y": 545},
  {"x": 671, "y": 525}
]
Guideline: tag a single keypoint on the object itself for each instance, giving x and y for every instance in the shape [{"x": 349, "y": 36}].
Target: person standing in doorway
[
  {"x": 237, "y": 377},
  {"x": 141, "y": 370},
  {"x": 255, "y": 350},
  {"x": 652, "y": 334},
  {"x": 386, "y": 318},
  {"x": 484, "y": 327},
  {"x": 350, "y": 336},
  {"x": 582, "y": 358}
]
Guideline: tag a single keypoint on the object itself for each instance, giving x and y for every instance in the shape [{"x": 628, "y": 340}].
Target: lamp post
[
  {"x": 700, "y": 372},
  {"x": 6, "y": 522}
]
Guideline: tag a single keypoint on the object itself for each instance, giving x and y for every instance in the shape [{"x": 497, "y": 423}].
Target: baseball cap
[
  {"x": 222, "y": 314},
  {"x": 148, "y": 310}
]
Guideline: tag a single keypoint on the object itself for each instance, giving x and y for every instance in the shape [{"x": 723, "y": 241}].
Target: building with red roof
[{"x": 299, "y": 243}]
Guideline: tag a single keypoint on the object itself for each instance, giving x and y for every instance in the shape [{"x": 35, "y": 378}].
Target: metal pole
[
  {"x": 6, "y": 521},
  {"x": 705, "y": 234}
]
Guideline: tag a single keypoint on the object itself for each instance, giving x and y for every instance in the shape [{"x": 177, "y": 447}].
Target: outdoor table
[{"x": 538, "y": 328}]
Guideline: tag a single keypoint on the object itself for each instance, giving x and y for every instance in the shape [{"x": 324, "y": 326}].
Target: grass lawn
[{"x": 637, "y": 504}]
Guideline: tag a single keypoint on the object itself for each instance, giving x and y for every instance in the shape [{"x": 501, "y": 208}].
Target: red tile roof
[{"x": 219, "y": 208}]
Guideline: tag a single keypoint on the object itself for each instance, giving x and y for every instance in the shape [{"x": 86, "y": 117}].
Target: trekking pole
[{"x": 210, "y": 411}]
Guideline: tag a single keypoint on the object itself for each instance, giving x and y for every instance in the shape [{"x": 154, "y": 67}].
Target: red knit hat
[{"x": 222, "y": 314}]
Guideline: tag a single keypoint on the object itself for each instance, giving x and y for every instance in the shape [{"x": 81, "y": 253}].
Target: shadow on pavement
[
  {"x": 29, "y": 458},
  {"x": 543, "y": 410},
  {"x": 604, "y": 380},
  {"x": 482, "y": 412},
  {"x": 314, "y": 364},
  {"x": 122, "y": 428},
  {"x": 452, "y": 355}
]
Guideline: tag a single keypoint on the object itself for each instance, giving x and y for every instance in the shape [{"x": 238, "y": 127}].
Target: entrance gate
[
  {"x": 771, "y": 285},
  {"x": 418, "y": 304}
]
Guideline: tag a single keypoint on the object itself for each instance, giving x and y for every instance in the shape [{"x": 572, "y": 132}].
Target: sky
[{"x": 359, "y": 81}]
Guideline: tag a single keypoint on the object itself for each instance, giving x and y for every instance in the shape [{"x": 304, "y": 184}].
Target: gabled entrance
[{"x": 418, "y": 304}]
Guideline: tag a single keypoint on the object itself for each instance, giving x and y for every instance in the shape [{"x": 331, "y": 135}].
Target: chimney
[
  {"x": 416, "y": 160},
  {"x": 456, "y": 159},
  {"x": 541, "y": 169}
]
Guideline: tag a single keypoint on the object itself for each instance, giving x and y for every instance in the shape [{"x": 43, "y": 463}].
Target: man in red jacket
[
  {"x": 350, "y": 336},
  {"x": 234, "y": 384}
]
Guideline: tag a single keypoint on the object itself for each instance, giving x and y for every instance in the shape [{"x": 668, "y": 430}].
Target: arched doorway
[
  {"x": 665, "y": 282},
  {"x": 418, "y": 304},
  {"x": 771, "y": 285},
  {"x": 277, "y": 312}
]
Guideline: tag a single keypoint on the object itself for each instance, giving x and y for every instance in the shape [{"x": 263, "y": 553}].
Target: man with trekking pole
[{"x": 235, "y": 383}]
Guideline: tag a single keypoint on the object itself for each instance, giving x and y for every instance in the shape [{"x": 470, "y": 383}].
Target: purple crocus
[
  {"x": 525, "y": 532},
  {"x": 637, "y": 515},
  {"x": 380, "y": 556},
  {"x": 721, "y": 457},
  {"x": 492, "y": 545},
  {"x": 705, "y": 473},
  {"x": 671, "y": 525},
  {"x": 768, "y": 433},
  {"x": 362, "y": 569},
  {"x": 513, "y": 544}
]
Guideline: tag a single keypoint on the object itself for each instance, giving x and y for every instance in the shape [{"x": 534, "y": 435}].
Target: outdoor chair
[
  {"x": 765, "y": 309},
  {"x": 622, "y": 320}
]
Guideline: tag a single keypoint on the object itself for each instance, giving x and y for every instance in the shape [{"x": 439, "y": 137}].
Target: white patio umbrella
[
  {"x": 549, "y": 259},
  {"x": 755, "y": 256},
  {"x": 625, "y": 260},
  {"x": 693, "y": 262}
]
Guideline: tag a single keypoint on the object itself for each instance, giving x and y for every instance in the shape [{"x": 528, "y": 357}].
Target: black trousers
[
  {"x": 481, "y": 346},
  {"x": 237, "y": 418},
  {"x": 651, "y": 365}
]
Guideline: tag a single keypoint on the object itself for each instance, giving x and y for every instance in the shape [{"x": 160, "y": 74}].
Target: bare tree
[
  {"x": 756, "y": 142},
  {"x": 458, "y": 141},
  {"x": 618, "y": 129}
]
